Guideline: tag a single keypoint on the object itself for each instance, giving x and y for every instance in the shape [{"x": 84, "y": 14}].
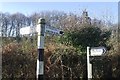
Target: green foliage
[
  {"x": 28, "y": 43},
  {"x": 17, "y": 64},
  {"x": 87, "y": 36},
  {"x": 114, "y": 45},
  {"x": 67, "y": 51}
]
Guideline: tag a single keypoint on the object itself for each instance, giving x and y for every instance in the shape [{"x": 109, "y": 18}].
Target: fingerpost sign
[
  {"x": 41, "y": 29},
  {"x": 93, "y": 51}
]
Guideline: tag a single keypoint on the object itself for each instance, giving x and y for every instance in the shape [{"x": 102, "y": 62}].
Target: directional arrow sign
[
  {"x": 97, "y": 51},
  {"x": 27, "y": 30},
  {"x": 53, "y": 31},
  {"x": 31, "y": 30},
  {"x": 50, "y": 30}
]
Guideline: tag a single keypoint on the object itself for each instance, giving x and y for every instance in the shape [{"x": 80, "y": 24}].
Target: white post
[
  {"x": 40, "y": 60},
  {"x": 89, "y": 66}
]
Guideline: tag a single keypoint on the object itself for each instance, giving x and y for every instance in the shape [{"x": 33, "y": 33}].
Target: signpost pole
[
  {"x": 89, "y": 66},
  {"x": 40, "y": 60},
  {"x": 41, "y": 30}
]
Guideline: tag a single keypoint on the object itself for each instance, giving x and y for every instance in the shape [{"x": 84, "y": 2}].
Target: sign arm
[{"x": 54, "y": 31}]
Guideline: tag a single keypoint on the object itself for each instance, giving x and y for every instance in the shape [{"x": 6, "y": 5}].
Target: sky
[
  {"x": 59, "y": 0},
  {"x": 100, "y": 10}
]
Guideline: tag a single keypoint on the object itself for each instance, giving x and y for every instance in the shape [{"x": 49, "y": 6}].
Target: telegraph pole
[{"x": 40, "y": 60}]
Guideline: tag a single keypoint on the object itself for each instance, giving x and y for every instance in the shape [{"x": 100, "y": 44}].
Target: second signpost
[{"x": 93, "y": 51}]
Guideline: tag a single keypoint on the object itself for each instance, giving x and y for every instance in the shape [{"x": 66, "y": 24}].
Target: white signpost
[
  {"x": 41, "y": 29},
  {"x": 89, "y": 66},
  {"x": 97, "y": 51},
  {"x": 31, "y": 30},
  {"x": 93, "y": 51},
  {"x": 27, "y": 30}
]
